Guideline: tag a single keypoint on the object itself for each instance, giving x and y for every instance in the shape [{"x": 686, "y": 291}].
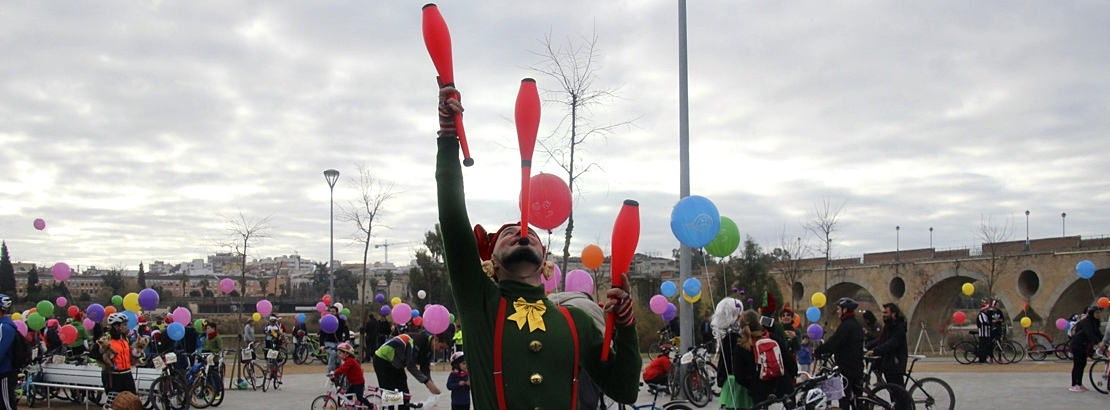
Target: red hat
[
  {"x": 486, "y": 241},
  {"x": 770, "y": 306},
  {"x": 142, "y": 319}
]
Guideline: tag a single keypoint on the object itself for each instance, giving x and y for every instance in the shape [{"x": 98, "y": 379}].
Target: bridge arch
[
  {"x": 1071, "y": 296},
  {"x": 855, "y": 288}
]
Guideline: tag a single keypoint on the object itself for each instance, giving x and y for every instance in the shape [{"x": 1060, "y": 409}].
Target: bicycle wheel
[
  {"x": 324, "y": 403},
  {"x": 1062, "y": 350},
  {"x": 962, "y": 350},
  {"x": 933, "y": 394},
  {"x": 201, "y": 393},
  {"x": 653, "y": 350},
  {"x": 254, "y": 374},
  {"x": 1097, "y": 374},
  {"x": 276, "y": 372},
  {"x": 696, "y": 387},
  {"x": 1004, "y": 353},
  {"x": 218, "y": 399},
  {"x": 711, "y": 372},
  {"x": 674, "y": 381},
  {"x": 169, "y": 393},
  {"x": 891, "y": 395},
  {"x": 1039, "y": 347},
  {"x": 1019, "y": 350},
  {"x": 300, "y": 354}
]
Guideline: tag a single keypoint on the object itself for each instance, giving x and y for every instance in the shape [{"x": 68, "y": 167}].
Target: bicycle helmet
[
  {"x": 666, "y": 348},
  {"x": 346, "y": 347},
  {"x": 814, "y": 398},
  {"x": 338, "y": 306},
  {"x": 1091, "y": 309},
  {"x": 273, "y": 318},
  {"x": 117, "y": 318},
  {"x": 5, "y": 303},
  {"x": 847, "y": 303}
]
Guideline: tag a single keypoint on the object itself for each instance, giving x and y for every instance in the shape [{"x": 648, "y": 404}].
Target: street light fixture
[
  {"x": 930, "y": 237},
  {"x": 1063, "y": 224},
  {"x": 897, "y": 243},
  {"x": 1027, "y": 230},
  {"x": 331, "y": 176}
]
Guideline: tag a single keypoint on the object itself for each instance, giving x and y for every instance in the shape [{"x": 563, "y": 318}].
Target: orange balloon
[
  {"x": 1103, "y": 302},
  {"x": 797, "y": 321},
  {"x": 593, "y": 256},
  {"x": 109, "y": 310}
]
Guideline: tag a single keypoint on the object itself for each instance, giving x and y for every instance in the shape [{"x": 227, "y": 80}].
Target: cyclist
[
  {"x": 212, "y": 341},
  {"x": 1086, "y": 334},
  {"x": 114, "y": 353},
  {"x": 891, "y": 345},
  {"x": 8, "y": 333},
  {"x": 846, "y": 345},
  {"x": 350, "y": 369},
  {"x": 274, "y": 333}
]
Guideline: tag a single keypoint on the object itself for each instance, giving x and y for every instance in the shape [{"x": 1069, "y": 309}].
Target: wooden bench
[{"x": 87, "y": 377}]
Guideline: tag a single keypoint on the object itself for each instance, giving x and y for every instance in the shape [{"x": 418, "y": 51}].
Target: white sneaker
[{"x": 1077, "y": 389}]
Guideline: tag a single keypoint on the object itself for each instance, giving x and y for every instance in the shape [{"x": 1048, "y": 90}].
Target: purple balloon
[
  {"x": 815, "y": 331},
  {"x": 148, "y": 299},
  {"x": 671, "y": 308},
  {"x": 329, "y": 323},
  {"x": 579, "y": 280},
  {"x": 343, "y": 317},
  {"x": 40, "y": 224},
  {"x": 95, "y": 312},
  {"x": 60, "y": 271},
  {"x": 385, "y": 310},
  {"x": 380, "y": 298},
  {"x": 264, "y": 307}
]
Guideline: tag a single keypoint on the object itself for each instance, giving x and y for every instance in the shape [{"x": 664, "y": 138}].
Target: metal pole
[
  {"x": 897, "y": 243},
  {"x": 1027, "y": 230},
  {"x": 331, "y": 176},
  {"x": 686, "y": 313},
  {"x": 1063, "y": 224},
  {"x": 930, "y": 237}
]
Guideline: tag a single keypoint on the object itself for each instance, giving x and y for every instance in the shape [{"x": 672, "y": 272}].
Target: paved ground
[{"x": 1026, "y": 385}]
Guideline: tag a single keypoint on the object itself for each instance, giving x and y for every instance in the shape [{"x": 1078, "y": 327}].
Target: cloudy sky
[{"x": 131, "y": 128}]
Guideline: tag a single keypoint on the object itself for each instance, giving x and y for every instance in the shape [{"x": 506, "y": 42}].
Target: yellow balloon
[
  {"x": 256, "y": 316},
  {"x": 1026, "y": 322},
  {"x": 17, "y": 316},
  {"x": 395, "y": 301},
  {"x": 968, "y": 289},
  {"x": 131, "y": 302},
  {"x": 818, "y": 299},
  {"x": 693, "y": 299}
]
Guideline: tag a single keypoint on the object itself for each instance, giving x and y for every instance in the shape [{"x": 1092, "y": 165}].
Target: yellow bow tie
[{"x": 529, "y": 312}]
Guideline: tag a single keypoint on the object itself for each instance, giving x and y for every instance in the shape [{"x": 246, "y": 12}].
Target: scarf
[
  {"x": 846, "y": 315},
  {"x": 212, "y": 335}
]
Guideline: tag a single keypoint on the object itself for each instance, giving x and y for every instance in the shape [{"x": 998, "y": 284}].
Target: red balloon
[
  {"x": 169, "y": 319},
  {"x": 327, "y": 300},
  {"x": 959, "y": 317},
  {"x": 418, "y": 321},
  {"x": 73, "y": 311},
  {"x": 68, "y": 333},
  {"x": 549, "y": 201}
]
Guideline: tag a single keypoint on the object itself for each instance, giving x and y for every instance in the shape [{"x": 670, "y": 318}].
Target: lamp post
[
  {"x": 1027, "y": 230},
  {"x": 897, "y": 243},
  {"x": 930, "y": 237},
  {"x": 1063, "y": 224},
  {"x": 331, "y": 176}
]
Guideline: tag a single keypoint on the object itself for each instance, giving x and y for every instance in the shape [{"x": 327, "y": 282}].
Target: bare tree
[
  {"x": 822, "y": 222},
  {"x": 993, "y": 235},
  {"x": 574, "y": 67},
  {"x": 788, "y": 255},
  {"x": 241, "y": 232},
  {"x": 365, "y": 212}
]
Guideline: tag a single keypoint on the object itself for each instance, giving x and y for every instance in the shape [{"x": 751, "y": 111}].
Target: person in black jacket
[
  {"x": 1086, "y": 335},
  {"x": 846, "y": 346},
  {"x": 891, "y": 345},
  {"x": 743, "y": 357}
]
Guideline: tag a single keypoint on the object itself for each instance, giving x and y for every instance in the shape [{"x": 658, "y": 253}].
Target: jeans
[{"x": 333, "y": 356}]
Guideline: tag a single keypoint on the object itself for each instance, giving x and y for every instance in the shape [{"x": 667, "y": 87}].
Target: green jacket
[{"x": 525, "y": 353}]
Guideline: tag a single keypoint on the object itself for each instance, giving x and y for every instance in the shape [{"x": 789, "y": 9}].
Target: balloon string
[
  {"x": 705, "y": 269},
  {"x": 1093, "y": 295},
  {"x": 546, "y": 247}
]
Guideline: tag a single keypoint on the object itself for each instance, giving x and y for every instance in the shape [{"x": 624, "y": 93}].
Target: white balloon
[{"x": 421, "y": 294}]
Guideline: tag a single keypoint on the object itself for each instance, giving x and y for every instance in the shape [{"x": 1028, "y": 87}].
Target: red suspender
[
  {"x": 573, "y": 336},
  {"x": 498, "y": 372}
]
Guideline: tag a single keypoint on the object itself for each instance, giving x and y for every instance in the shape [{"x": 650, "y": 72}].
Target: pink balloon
[
  {"x": 579, "y": 280},
  {"x": 1061, "y": 323},
  {"x": 61, "y": 301},
  {"x": 182, "y": 315},
  {"x": 226, "y": 285},
  {"x": 40, "y": 224},
  {"x": 321, "y": 307},
  {"x": 436, "y": 319},
  {"x": 88, "y": 324},
  {"x": 21, "y": 326},
  {"x": 264, "y": 307},
  {"x": 60, "y": 271},
  {"x": 402, "y": 313},
  {"x": 658, "y": 304}
]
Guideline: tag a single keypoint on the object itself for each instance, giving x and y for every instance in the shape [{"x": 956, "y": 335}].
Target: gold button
[
  {"x": 536, "y": 379},
  {"x": 535, "y": 346}
]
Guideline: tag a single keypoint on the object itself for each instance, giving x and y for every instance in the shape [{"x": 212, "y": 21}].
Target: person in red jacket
[
  {"x": 656, "y": 371},
  {"x": 352, "y": 370}
]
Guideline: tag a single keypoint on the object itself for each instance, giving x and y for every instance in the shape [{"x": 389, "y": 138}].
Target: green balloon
[
  {"x": 199, "y": 325},
  {"x": 35, "y": 321},
  {"x": 346, "y": 312},
  {"x": 45, "y": 308},
  {"x": 726, "y": 241},
  {"x": 117, "y": 300},
  {"x": 452, "y": 317}
]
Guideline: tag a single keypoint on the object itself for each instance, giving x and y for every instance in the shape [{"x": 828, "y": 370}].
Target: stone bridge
[{"x": 926, "y": 283}]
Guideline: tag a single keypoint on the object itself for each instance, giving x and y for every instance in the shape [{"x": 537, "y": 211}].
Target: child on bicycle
[
  {"x": 274, "y": 333},
  {"x": 352, "y": 370},
  {"x": 458, "y": 382}
]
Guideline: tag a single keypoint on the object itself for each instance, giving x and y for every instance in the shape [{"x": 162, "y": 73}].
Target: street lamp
[
  {"x": 897, "y": 243},
  {"x": 331, "y": 176},
  {"x": 1063, "y": 224},
  {"x": 1027, "y": 230},
  {"x": 930, "y": 237}
]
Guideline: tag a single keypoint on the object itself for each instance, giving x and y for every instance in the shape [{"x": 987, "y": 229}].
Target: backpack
[
  {"x": 768, "y": 358},
  {"x": 20, "y": 350}
]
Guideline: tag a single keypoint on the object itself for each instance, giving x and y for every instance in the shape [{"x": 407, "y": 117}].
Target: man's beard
[{"x": 520, "y": 256}]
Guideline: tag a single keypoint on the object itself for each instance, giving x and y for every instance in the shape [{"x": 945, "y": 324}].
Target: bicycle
[
  {"x": 310, "y": 350},
  {"x": 665, "y": 338},
  {"x": 168, "y": 391},
  {"x": 275, "y": 368},
  {"x": 1099, "y": 373},
  {"x": 808, "y": 394},
  {"x": 337, "y": 398},
  {"x": 699, "y": 378},
  {"x": 887, "y": 396},
  {"x": 253, "y": 372},
  {"x": 205, "y": 380},
  {"x": 932, "y": 392},
  {"x": 655, "y": 390},
  {"x": 966, "y": 351}
]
